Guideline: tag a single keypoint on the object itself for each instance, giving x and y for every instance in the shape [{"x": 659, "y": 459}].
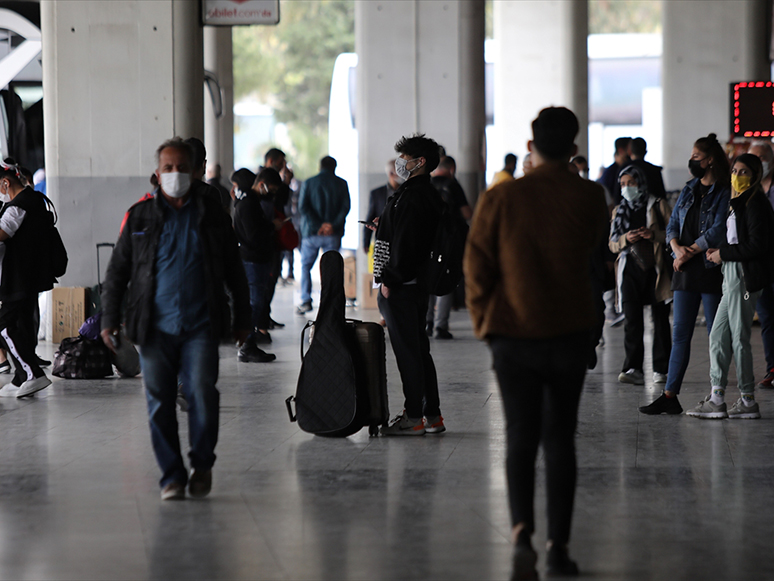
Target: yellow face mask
[{"x": 740, "y": 184}]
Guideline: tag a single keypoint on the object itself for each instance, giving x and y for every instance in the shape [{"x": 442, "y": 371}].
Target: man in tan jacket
[{"x": 527, "y": 276}]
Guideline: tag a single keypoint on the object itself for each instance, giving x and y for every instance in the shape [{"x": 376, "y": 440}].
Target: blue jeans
[
  {"x": 438, "y": 309},
  {"x": 258, "y": 277},
  {"x": 193, "y": 357},
  {"x": 686, "y": 309},
  {"x": 310, "y": 248},
  {"x": 765, "y": 308}
]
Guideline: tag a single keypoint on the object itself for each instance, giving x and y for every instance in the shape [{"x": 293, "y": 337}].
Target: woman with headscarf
[
  {"x": 637, "y": 236},
  {"x": 747, "y": 262}
]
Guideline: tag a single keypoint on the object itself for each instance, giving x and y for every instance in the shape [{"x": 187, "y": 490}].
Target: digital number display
[{"x": 752, "y": 109}]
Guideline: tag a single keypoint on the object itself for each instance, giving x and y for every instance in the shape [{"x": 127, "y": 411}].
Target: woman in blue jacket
[{"x": 698, "y": 223}]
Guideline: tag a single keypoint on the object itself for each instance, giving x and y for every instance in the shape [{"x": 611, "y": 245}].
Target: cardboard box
[
  {"x": 69, "y": 307},
  {"x": 368, "y": 300},
  {"x": 350, "y": 277}
]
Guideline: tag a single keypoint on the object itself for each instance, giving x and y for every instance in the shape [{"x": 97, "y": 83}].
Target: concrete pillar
[
  {"x": 541, "y": 62},
  {"x": 219, "y": 133},
  {"x": 471, "y": 164},
  {"x": 188, "y": 62},
  {"x": 420, "y": 69},
  {"x": 110, "y": 75},
  {"x": 707, "y": 46}
]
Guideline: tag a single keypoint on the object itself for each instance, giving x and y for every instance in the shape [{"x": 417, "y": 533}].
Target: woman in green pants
[{"x": 747, "y": 260}]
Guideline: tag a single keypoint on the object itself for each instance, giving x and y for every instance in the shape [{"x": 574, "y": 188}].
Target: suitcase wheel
[{"x": 373, "y": 430}]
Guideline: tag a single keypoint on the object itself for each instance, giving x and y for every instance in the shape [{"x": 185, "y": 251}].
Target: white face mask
[
  {"x": 631, "y": 193},
  {"x": 175, "y": 184},
  {"x": 400, "y": 168},
  {"x": 766, "y": 168},
  {"x": 239, "y": 194}
]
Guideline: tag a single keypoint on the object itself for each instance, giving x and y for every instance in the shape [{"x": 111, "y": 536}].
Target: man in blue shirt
[
  {"x": 176, "y": 254},
  {"x": 323, "y": 205}
]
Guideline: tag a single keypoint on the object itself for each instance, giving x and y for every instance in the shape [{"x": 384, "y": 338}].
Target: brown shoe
[
  {"x": 200, "y": 483},
  {"x": 173, "y": 491}
]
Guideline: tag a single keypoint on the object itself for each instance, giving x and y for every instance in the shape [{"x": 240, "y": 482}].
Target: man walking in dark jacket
[
  {"x": 323, "y": 205},
  {"x": 401, "y": 252},
  {"x": 176, "y": 254}
]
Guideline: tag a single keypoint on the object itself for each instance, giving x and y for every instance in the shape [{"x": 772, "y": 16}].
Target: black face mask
[{"x": 696, "y": 170}]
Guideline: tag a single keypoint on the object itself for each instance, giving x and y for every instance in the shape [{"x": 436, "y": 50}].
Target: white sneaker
[
  {"x": 741, "y": 411},
  {"x": 33, "y": 385},
  {"x": 434, "y": 425},
  {"x": 9, "y": 390},
  {"x": 404, "y": 426},
  {"x": 707, "y": 410},
  {"x": 632, "y": 376},
  {"x": 659, "y": 377}
]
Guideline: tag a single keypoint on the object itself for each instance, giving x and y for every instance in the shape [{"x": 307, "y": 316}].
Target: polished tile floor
[{"x": 659, "y": 498}]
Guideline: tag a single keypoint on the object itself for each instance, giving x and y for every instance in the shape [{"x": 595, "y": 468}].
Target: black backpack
[
  {"x": 56, "y": 248},
  {"x": 444, "y": 271}
]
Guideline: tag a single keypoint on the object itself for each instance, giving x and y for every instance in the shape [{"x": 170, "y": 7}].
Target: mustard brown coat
[{"x": 528, "y": 257}]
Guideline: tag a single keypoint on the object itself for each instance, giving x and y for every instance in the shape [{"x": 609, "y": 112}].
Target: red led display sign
[{"x": 752, "y": 109}]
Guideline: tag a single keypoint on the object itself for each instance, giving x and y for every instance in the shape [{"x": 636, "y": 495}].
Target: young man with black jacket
[
  {"x": 255, "y": 232},
  {"x": 404, "y": 237},
  {"x": 174, "y": 259},
  {"x": 24, "y": 222}
]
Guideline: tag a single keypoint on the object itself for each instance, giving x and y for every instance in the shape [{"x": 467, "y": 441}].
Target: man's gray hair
[
  {"x": 177, "y": 143},
  {"x": 766, "y": 144}
]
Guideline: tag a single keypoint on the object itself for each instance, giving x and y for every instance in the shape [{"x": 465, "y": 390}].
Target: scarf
[{"x": 623, "y": 216}]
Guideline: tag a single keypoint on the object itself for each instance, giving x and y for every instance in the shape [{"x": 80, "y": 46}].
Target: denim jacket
[{"x": 712, "y": 220}]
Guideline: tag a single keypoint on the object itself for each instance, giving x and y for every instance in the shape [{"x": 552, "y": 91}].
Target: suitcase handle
[
  {"x": 99, "y": 274},
  {"x": 289, "y": 403}
]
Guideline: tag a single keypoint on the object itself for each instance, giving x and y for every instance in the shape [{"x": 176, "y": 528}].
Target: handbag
[
  {"x": 287, "y": 237},
  {"x": 642, "y": 252},
  {"x": 82, "y": 358}
]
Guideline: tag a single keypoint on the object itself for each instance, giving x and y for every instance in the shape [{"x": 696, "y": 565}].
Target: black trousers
[
  {"x": 276, "y": 267},
  {"x": 404, "y": 313},
  {"x": 16, "y": 339},
  {"x": 637, "y": 290},
  {"x": 541, "y": 382}
]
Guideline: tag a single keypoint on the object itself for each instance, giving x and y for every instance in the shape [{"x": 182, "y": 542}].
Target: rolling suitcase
[
  {"x": 345, "y": 362},
  {"x": 370, "y": 360}
]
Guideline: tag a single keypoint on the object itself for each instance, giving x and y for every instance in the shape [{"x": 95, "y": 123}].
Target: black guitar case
[{"x": 327, "y": 394}]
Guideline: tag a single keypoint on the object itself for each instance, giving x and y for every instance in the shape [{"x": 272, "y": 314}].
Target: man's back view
[
  {"x": 323, "y": 205},
  {"x": 527, "y": 276}
]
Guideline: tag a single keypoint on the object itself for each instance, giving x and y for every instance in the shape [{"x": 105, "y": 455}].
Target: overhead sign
[
  {"x": 752, "y": 109},
  {"x": 240, "y": 12}
]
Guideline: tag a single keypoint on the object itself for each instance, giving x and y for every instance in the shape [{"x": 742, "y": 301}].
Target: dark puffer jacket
[
  {"x": 27, "y": 267},
  {"x": 132, "y": 270},
  {"x": 755, "y": 232}
]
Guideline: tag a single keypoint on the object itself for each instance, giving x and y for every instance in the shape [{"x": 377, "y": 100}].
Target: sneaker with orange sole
[
  {"x": 403, "y": 425},
  {"x": 434, "y": 425}
]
